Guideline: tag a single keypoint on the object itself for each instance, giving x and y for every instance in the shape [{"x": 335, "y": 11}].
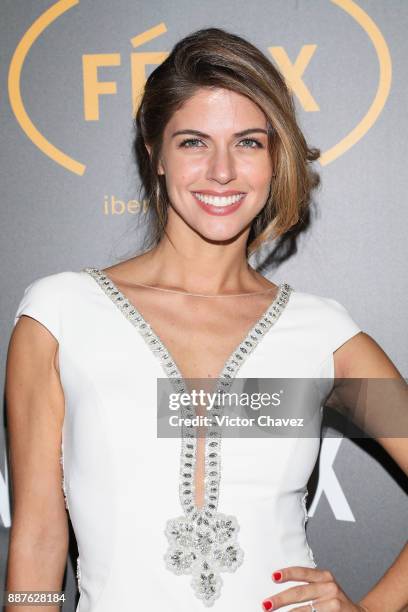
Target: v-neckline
[
  {"x": 189, "y": 551},
  {"x": 236, "y": 358}
]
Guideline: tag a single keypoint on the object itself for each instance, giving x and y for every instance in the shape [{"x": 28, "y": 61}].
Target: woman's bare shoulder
[{"x": 128, "y": 269}]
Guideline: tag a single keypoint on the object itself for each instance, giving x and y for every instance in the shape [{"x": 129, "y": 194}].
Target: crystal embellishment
[
  {"x": 78, "y": 574},
  {"x": 202, "y": 541},
  {"x": 63, "y": 487},
  {"x": 203, "y": 546}
]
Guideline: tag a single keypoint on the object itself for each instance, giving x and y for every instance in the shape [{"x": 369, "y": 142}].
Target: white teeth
[{"x": 219, "y": 201}]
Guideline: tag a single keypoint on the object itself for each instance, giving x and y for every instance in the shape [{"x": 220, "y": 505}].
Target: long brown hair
[{"x": 213, "y": 57}]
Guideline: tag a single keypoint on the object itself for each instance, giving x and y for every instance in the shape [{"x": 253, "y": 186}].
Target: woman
[{"x": 224, "y": 167}]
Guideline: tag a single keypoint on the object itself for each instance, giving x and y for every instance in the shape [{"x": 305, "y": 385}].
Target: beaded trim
[
  {"x": 63, "y": 477},
  {"x": 202, "y": 542},
  {"x": 78, "y": 574},
  {"x": 306, "y": 518}
]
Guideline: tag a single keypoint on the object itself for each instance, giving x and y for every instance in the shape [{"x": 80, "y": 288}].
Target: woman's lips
[{"x": 219, "y": 210}]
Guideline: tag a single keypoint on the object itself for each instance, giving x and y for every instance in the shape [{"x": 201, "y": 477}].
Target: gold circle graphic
[{"x": 61, "y": 158}]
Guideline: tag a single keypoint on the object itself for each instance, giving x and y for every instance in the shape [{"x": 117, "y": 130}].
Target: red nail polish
[
  {"x": 277, "y": 575},
  {"x": 267, "y": 605}
]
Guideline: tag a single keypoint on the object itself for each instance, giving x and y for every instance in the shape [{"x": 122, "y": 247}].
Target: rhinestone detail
[
  {"x": 63, "y": 487},
  {"x": 202, "y": 542},
  {"x": 306, "y": 518},
  {"x": 78, "y": 574}
]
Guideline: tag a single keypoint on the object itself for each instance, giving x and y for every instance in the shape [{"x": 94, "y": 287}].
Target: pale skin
[{"x": 214, "y": 248}]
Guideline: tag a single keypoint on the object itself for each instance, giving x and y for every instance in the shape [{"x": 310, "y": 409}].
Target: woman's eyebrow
[{"x": 237, "y": 134}]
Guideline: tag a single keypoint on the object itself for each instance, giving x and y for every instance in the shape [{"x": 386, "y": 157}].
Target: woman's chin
[{"x": 220, "y": 234}]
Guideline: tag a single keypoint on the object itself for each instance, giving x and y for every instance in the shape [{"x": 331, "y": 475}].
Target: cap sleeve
[
  {"x": 343, "y": 326},
  {"x": 40, "y": 301},
  {"x": 339, "y": 327}
]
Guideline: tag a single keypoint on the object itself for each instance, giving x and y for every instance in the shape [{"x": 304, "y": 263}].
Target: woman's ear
[{"x": 160, "y": 169}]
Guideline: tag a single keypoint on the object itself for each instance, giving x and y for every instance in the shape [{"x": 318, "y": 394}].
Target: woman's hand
[{"x": 322, "y": 589}]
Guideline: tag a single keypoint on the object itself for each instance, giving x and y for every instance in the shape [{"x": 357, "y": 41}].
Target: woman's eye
[
  {"x": 189, "y": 142},
  {"x": 258, "y": 145}
]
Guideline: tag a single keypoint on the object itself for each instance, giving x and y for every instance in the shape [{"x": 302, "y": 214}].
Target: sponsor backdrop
[{"x": 71, "y": 73}]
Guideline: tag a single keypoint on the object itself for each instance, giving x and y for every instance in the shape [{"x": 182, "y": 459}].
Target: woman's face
[{"x": 216, "y": 163}]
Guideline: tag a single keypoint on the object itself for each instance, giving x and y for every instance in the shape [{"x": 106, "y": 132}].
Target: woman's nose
[{"x": 221, "y": 166}]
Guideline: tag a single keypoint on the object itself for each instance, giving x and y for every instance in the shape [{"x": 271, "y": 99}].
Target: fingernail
[
  {"x": 277, "y": 575},
  {"x": 267, "y": 604}
]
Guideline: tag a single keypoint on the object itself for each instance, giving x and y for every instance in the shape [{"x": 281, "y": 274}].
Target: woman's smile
[{"x": 219, "y": 204}]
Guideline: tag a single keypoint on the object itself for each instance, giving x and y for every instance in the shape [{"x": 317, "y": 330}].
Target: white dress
[{"x": 139, "y": 546}]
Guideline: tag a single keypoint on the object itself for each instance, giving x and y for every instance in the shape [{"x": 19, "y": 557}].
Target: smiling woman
[
  {"x": 163, "y": 523},
  {"x": 218, "y": 75}
]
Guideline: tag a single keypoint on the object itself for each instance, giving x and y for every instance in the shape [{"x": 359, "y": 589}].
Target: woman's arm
[
  {"x": 362, "y": 357},
  {"x": 35, "y": 412}
]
